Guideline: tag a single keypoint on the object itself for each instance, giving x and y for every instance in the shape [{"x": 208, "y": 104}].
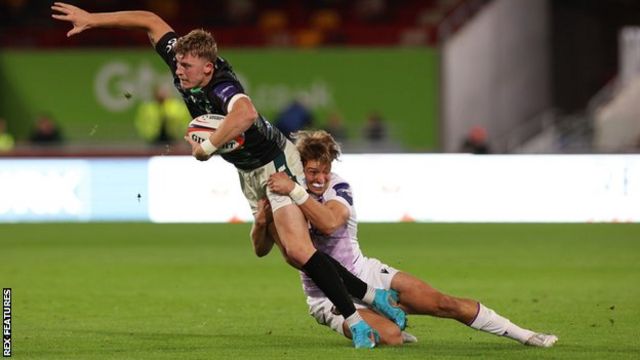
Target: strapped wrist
[
  {"x": 208, "y": 147},
  {"x": 299, "y": 195}
]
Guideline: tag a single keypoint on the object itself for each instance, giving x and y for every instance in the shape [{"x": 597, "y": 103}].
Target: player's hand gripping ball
[{"x": 201, "y": 128}]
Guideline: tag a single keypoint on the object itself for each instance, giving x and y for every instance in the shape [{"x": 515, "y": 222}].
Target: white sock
[
  {"x": 487, "y": 320},
  {"x": 369, "y": 295},
  {"x": 353, "y": 319}
]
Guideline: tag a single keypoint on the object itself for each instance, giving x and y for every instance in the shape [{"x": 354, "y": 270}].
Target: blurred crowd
[
  {"x": 27, "y": 24},
  {"x": 245, "y": 22},
  {"x": 161, "y": 122},
  {"x": 44, "y": 132},
  {"x": 371, "y": 135}
]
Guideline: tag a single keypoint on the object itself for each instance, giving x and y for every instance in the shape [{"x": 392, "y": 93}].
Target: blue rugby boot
[
  {"x": 394, "y": 295},
  {"x": 364, "y": 336},
  {"x": 386, "y": 303}
]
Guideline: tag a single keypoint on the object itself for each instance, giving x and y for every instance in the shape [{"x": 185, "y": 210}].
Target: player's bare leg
[
  {"x": 293, "y": 235},
  {"x": 418, "y": 297},
  {"x": 294, "y": 238}
]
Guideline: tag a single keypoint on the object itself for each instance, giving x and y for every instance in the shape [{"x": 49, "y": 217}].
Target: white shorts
[
  {"x": 373, "y": 272},
  {"x": 254, "y": 182}
]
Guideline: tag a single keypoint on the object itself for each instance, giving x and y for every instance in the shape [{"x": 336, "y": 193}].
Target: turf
[{"x": 146, "y": 291}]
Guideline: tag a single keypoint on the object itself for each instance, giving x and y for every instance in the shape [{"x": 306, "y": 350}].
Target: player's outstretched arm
[
  {"x": 327, "y": 217},
  {"x": 83, "y": 20}
]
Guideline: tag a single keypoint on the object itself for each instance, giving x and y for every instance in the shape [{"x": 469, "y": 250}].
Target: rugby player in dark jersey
[{"x": 209, "y": 86}]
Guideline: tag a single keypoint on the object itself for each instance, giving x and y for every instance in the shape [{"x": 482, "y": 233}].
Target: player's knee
[
  {"x": 298, "y": 255},
  {"x": 291, "y": 261},
  {"x": 390, "y": 335}
]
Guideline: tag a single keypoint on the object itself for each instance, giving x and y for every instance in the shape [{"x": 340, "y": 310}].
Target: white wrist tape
[
  {"x": 298, "y": 195},
  {"x": 208, "y": 147}
]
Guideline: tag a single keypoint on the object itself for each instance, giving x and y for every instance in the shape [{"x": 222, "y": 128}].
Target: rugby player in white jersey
[{"x": 333, "y": 229}]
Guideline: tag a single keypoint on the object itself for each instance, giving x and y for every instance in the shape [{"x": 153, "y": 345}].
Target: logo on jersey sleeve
[
  {"x": 170, "y": 44},
  {"x": 225, "y": 91},
  {"x": 344, "y": 191}
]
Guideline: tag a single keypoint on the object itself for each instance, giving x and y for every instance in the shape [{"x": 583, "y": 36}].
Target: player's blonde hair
[
  {"x": 317, "y": 145},
  {"x": 198, "y": 43}
]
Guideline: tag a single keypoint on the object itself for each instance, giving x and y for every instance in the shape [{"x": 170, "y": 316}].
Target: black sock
[
  {"x": 356, "y": 287},
  {"x": 325, "y": 275}
]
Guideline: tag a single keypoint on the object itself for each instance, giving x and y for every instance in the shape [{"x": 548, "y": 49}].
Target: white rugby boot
[{"x": 542, "y": 340}]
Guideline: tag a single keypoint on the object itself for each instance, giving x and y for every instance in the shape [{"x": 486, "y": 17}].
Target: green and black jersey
[{"x": 263, "y": 142}]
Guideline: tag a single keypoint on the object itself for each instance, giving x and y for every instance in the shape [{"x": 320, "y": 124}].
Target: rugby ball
[{"x": 201, "y": 128}]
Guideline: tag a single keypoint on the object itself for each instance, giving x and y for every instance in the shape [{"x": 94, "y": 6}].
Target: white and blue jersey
[{"x": 342, "y": 245}]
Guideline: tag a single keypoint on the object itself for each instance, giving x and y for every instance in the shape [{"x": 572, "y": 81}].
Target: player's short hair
[
  {"x": 198, "y": 43},
  {"x": 316, "y": 145}
]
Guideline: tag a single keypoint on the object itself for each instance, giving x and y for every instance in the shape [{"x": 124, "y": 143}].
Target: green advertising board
[{"x": 86, "y": 91}]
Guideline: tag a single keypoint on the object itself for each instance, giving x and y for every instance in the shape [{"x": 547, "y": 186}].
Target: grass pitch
[{"x": 147, "y": 291}]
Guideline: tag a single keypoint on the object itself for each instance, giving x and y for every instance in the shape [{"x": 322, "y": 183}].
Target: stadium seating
[{"x": 241, "y": 23}]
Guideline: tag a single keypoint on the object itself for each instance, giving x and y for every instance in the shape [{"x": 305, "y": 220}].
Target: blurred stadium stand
[
  {"x": 582, "y": 46},
  {"x": 242, "y": 23},
  {"x": 27, "y": 25}
]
